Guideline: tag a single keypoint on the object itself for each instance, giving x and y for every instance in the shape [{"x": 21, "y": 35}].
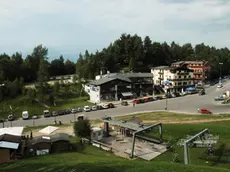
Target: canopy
[
  {"x": 166, "y": 82},
  {"x": 190, "y": 89},
  {"x": 127, "y": 94},
  {"x": 15, "y": 131},
  {"x": 48, "y": 130}
]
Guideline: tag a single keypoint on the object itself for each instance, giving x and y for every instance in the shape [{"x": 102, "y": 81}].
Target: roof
[
  {"x": 10, "y": 138},
  {"x": 9, "y": 145},
  {"x": 16, "y": 131},
  {"x": 135, "y": 119},
  {"x": 190, "y": 62},
  {"x": 96, "y": 129},
  {"x": 125, "y": 124},
  {"x": 48, "y": 130},
  {"x": 164, "y": 67},
  {"x": 107, "y": 79},
  {"x": 40, "y": 139},
  {"x": 59, "y": 137},
  {"x": 120, "y": 76}
]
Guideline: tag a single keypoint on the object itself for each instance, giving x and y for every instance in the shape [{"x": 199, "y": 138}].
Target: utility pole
[{"x": 220, "y": 64}]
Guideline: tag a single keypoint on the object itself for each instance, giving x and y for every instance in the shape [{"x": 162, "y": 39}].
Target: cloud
[{"x": 71, "y": 26}]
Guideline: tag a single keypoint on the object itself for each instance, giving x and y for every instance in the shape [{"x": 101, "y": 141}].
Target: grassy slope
[
  {"x": 18, "y": 104},
  {"x": 161, "y": 116},
  {"x": 93, "y": 159}
]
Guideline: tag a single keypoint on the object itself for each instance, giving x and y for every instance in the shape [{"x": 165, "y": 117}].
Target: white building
[{"x": 178, "y": 77}]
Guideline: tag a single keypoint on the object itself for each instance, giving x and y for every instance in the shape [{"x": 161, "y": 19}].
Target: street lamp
[
  {"x": 220, "y": 71},
  {"x": 2, "y": 85}
]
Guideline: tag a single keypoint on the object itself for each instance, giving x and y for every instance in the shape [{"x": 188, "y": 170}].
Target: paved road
[{"x": 187, "y": 104}]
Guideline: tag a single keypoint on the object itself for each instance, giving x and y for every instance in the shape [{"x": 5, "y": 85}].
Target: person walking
[{"x": 133, "y": 104}]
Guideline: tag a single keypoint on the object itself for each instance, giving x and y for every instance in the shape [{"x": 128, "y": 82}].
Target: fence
[{"x": 98, "y": 144}]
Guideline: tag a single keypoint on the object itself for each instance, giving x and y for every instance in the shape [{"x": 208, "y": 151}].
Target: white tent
[
  {"x": 16, "y": 131},
  {"x": 48, "y": 130}
]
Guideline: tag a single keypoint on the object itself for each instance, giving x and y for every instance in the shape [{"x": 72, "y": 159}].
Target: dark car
[
  {"x": 67, "y": 111},
  {"x": 124, "y": 103},
  {"x": 61, "y": 112},
  {"x": 111, "y": 105},
  {"x": 99, "y": 107},
  {"x": 11, "y": 117}
]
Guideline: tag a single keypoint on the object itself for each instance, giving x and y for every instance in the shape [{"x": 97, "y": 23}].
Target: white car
[
  {"x": 46, "y": 113},
  {"x": 25, "y": 115},
  {"x": 74, "y": 111},
  {"x": 219, "y": 86},
  {"x": 105, "y": 106},
  {"x": 94, "y": 108},
  {"x": 86, "y": 109}
]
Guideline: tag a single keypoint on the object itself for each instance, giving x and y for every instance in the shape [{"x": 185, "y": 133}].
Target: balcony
[
  {"x": 183, "y": 73},
  {"x": 161, "y": 73},
  {"x": 180, "y": 79},
  {"x": 198, "y": 72}
]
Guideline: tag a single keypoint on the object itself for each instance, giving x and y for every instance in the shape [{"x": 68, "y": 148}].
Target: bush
[{"x": 82, "y": 128}]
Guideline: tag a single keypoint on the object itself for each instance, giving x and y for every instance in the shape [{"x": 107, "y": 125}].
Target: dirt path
[{"x": 187, "y": 121}]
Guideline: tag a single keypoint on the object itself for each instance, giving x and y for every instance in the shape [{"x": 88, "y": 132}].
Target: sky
[{"x": 69, "y": 27}]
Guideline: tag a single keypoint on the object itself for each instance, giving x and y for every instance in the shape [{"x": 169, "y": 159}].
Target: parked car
[
  {"x": 104, "y": 106},
  {"x": 79, "y": 109},
  {"x": 11, "y": 117},
  {"x": 74, "y": 111},
  {"x": 61, "y": 112},
  {"x": 86, "y": 109},
  {"x": 219, "y": 98},
  {"x": 219, "y": 85},
  {"x": 94, "y": 108},
  {"x": 124, "y": 103},
  {"x": 67, "y": 111},
  {"x": 35, "y": 116},
  {"x": 99, "y": 107},
  {"x": 145, "y": 99},
  {"x": 46, "y": 113},
  {"x": 111, "y": 105},
  {"x": 54, "y": 113},
  {"x": 25, "y": 115},
  {"x": 205, "y": 111}
]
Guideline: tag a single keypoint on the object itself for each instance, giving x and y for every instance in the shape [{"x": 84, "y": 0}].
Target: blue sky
[{"x": 69, "y": 27}]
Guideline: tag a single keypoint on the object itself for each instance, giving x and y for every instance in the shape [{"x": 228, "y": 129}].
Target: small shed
[
  {"x": 40, "y": 145},
  {"x": 9, "y": 144},
  {"x": 96, "y": 133},
  {"x": 59, "y": 142}
]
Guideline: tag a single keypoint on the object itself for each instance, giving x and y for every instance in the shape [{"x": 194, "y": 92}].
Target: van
[
  {"x": 86, "y": 108},
  {"x": 25, "y": 115},
  {"x": 46, "y": 113}
]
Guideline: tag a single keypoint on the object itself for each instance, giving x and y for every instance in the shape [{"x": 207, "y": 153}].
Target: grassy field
[
  {"x": 92, "y": 159},
  {"x": 168, "y": 116},
  {"x": 20, "y": 104}
]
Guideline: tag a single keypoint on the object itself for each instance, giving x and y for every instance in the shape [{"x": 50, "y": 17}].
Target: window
[
  {"x": 179, "y": 83},
  {"x": 184, "y": 76},
  {"x": 179, "y": 76},
  {"x": 184, "y": 83},
  {"x": 189, "y": 76}
]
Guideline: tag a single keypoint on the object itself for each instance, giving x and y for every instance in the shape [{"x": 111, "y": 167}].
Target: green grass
[
  {"x": 161, "y": 116},
  {"x": 92, "y": 159},
  {"x": 20, "y": 104},
  {"x": 174, "y": 132}
]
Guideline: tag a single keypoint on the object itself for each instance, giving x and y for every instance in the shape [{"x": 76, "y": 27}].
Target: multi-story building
[
  {"x": 177, "y": 78},
  {"x": 116, "y": 86},
  {"x": 200, "y": 69}
]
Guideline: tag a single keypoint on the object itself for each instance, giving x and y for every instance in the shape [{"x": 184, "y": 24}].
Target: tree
[
  {"x": 70, "y": 67},
  {"x": 132, "y": 64},
  {"x": 75, "y": 78},
  {"x": 42, "y": 78},
  {"x": 56, "y": 87},
  {"x": 82, "y": 128}
]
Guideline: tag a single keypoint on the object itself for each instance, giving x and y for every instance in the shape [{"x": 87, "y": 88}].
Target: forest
[{"x": 132, "y": 53}]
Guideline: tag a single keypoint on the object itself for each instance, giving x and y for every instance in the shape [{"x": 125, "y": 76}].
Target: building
[
  {"x": 49, "y": 144},
  {"x": 200, "y": 69},
  {"x": 116, "y": 86},
  {"x": 177, "y": 78}
]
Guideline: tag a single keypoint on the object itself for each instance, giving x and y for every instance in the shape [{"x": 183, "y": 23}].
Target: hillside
[{"x": 93, "y": 159}]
